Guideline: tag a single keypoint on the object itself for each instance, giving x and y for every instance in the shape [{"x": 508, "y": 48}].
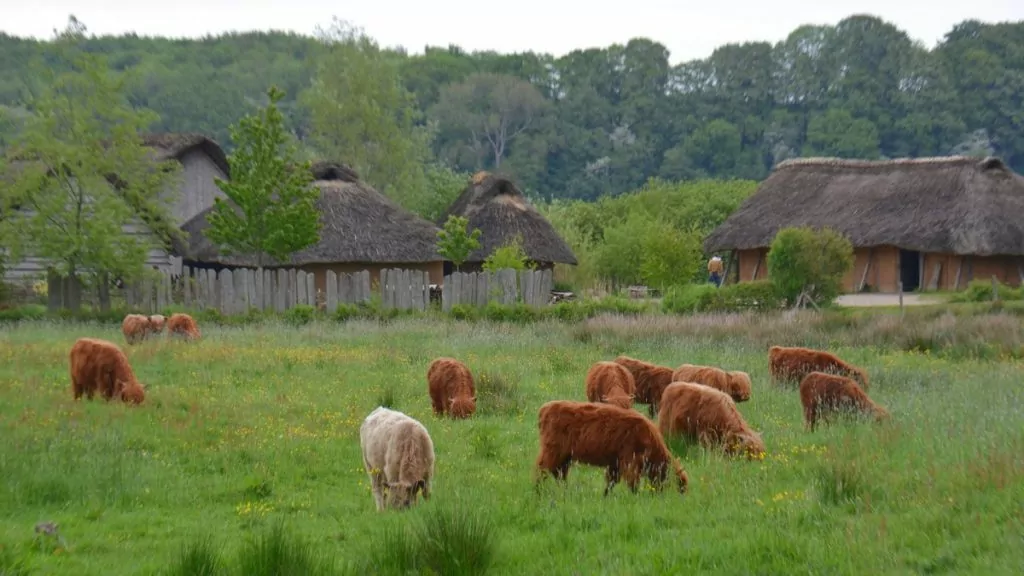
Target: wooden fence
[{"x": 238, "y": 290}]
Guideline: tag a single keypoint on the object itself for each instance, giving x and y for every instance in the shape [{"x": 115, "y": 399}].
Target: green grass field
[{"x": 255, "y": 428}]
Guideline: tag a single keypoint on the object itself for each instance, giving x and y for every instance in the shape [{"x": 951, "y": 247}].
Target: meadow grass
[{"x": 245, "y": 458}]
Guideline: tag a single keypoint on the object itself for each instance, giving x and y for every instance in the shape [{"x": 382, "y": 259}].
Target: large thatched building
[
  {"x": 501, "y": 212},
  {"x": 362, "y": 230},
  {"x": 932, "y": 223}
]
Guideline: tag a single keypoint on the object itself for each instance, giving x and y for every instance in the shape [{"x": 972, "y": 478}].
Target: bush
[
  {"x": 805, "y": 259},
  {"x": 300, "y": 314},
  {"x": 758, "y": 295},
  {"x": 981, "y": 291},
  {"x": 689, "y": 298},
  {"x": 511, "y": 255}
]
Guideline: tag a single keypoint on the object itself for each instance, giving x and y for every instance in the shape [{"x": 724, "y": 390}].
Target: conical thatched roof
[
  {"x": 956, "y": 205},
  {"x": 359, "y": 225},
  {"x": 495, "y": 206}
]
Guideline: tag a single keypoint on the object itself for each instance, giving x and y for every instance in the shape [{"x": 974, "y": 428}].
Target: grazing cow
[
  {"x": 650, "y": 379},
  {"x": 398, "y": 455},
  {"x": 157, "y": 322},
  {"x": 624, "y": 442},
  {"x": 99, "y": 366},
  {"x": 708, "y": 416},
  {"x": 794, "y": 364},
  {"x": 611, "y": 383},
  {"x": 182, "y": 325},
  {"x": 823, "y": 395},
  {"x": 734, "y": 383},
  {"x": 136, "y": 328},
  {"x": 451, "y": 388}
]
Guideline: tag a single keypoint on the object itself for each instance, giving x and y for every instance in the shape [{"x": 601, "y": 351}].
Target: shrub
[
  {"x": 346, "y": 312},
  {"x": 688, "y": 299},
  {"x": 758, "y": 295},
  {"x": 808, "y": 259},
  {"x": 981, "y": 291},
  {"x": 300, "y": 314},
  {"x": 511, "y": 255}
]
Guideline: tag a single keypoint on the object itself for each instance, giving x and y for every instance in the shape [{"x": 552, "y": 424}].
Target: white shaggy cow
[{"x": 399, "y": 457}]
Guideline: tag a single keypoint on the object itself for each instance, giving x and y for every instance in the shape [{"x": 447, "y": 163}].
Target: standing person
[{"x": 715, "y": 271}]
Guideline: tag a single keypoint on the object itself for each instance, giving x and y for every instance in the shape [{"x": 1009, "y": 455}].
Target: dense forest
[{"x": 596, "y": 122}]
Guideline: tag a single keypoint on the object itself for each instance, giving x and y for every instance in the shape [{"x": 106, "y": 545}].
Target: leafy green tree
[
  {"x": 671, "y": 256},
  {"x": 455, "y": 242},
  {"x": 809, "y": 260},
  {"x": 361, "y": 114},
  {"x": 78, "y": 174},
  {"x": 271, "y": 208},
  {"x": 511, "y": 255}
]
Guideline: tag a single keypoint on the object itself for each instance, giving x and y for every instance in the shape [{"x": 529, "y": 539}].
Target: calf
[
  {"x": 708, "y": 416},
  {"x": 824, "y": 395},
  {"x": 136, "y": 328},
  {"x": 650, "y": 379},
  {"x": 398, "y": 455},
  {"x": 612, "y": 383},
  {"x": 624, "y": 442},
  {"x": 734, "y": 383},
  {"x": 451, "y": 388},
  {"x": 793, "y": 364},
  {"x": 182, "y": 325}
]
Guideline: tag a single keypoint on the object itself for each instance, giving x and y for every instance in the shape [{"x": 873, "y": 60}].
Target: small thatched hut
[
  {"x": 362, "y": 230},
  {"x": 934, "y": 223},
  {"x": 501, "y": 212}
]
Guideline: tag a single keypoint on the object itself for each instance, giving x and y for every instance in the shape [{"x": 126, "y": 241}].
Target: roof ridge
[{"x": 985, "y": 163}]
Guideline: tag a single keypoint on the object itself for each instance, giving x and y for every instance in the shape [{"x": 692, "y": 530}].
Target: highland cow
[
  {"x": 398, "y": 455},
  {"x": 157, "y": 323},
  {"x": 650, "y": 380},
  {"x": 734, "y": 383},
  {"x": 182, "y": 325},
  {"x": 611, "y": 383},
  {"x": 709, "y": 416},
  {"x": 99, "y": 366},
  {"x": 624, "y": 442},
  {"x": 794, "y": 364},
  {"x": 136, "y": 328},
  {"x": 824, "y": 395},
  {"x": 451, "y": 388}
]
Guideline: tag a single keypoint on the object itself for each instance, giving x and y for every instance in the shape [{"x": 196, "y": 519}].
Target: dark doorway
[{"x": 910, "y": 270}]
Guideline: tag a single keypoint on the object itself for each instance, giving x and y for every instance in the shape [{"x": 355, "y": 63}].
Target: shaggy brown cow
[
  {"x": 157, "y": 322},
  {"x": 794, "y": 364},
  {"x": 611, "y": 383},
  {"x": 708, "y": 416},
  {"x": 100, "y": 366},
  {"x": 136, "y": 328},
  {"x": 734, "y": 383},
  {"x": 451, "y": 388},
  {"x": 823, "y": 395},
  {"x": 650, "y": 380},
  {"x": 624, "y": 442},
  {"x": 182, "y": 325}
]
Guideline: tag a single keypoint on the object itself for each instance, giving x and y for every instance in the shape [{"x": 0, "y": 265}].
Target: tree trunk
[
  {"x": 104, "y": 291},
  {"x": 73, "y": 293}
]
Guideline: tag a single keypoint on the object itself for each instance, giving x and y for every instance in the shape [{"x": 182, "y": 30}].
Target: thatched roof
[
  {"x": 176, "y": 144},
  {"x": 495, "y": 206},
  {"x": 359, "y": 225},
  {"x": 955, "y": 204}
]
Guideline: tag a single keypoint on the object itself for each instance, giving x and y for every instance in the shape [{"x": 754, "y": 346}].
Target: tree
[
  {"x": 811, "y": 261},
  {"x": 455, "y": 242},
  {"x": 271, "y": 208},
  {"x": 491, "y": 110},
  {"x": 361, "y": 113},
  {"x": 80, "y": 173}
]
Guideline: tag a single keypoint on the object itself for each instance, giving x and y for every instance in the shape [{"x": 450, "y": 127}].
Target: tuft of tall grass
[
  {"x": 450, "y": 540},
  {"x": 279, "y": 552},
  {"x": 387, "y": 397},
  {"x": 498, "y": 394},
  {"x": 199, "y": 557}
]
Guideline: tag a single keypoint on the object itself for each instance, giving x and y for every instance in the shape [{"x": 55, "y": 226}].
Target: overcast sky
[{"x": 689, "y": 29}]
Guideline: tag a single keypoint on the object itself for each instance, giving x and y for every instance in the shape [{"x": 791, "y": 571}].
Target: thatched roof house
[
  {"x": 501, "y": 212},
  {"x": 362, "y": 230},
  {"x": 929, "y": 222}
]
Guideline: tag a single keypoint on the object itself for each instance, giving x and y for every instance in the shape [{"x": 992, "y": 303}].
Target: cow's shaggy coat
[
  {"x": 650, "y": 380},
  {"x": 789, "y": 364},
  {"x": 451, "y": 388},
  {"x": 611, "y": 383},
  {"x": 708, "y": 416},
  {"x": 182, "y": 325},
  {"x": 398, "y": 455},
  {"x": 624, "y": 442},
  {"x": 136, "y": 328},
  {"x": 99, "y": 366},
  {"x": 824, "y": 395},
  {"x": 157, "y": 323},
  {"x": 734, "y": 383}
]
